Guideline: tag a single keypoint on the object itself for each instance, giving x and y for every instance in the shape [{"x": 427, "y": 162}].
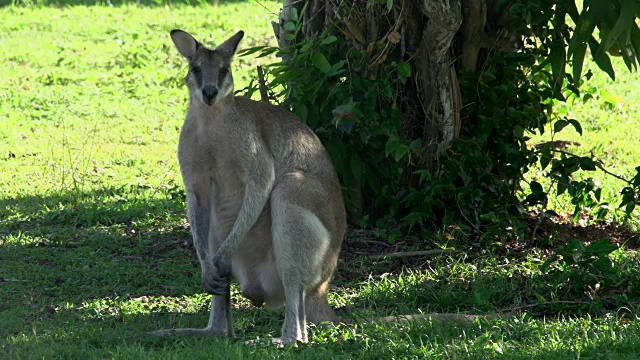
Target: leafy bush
[
  {"x": 585, "y": 268},
  {"x": 357, "y": 110}
]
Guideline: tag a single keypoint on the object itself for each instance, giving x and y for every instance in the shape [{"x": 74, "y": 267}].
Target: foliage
[
  {"x": 358, "y": 111},
  {"x": 513, "y": 99},
  {"x": 618, "y": 32},
  {"x": 562, "y": 45},
  {"x": 585, "y": 268}
]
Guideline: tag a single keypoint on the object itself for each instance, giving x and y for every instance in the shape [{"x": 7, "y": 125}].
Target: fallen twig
[
  {"x": 544, "y": 303},
  {"x": 401, "y": 254},
  {"x": 374, "y": 242},
  {"x": 450, "y": 317}
]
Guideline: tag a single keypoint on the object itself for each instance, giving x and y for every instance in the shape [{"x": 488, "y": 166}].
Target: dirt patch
[
  {"x": 361, "y": 250},
  {"x": 563, "y": 229}
]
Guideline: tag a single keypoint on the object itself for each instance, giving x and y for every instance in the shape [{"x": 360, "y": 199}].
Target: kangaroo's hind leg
[
  {"x": 317, "y": 306},
  {"x": 301, "y": 244}
]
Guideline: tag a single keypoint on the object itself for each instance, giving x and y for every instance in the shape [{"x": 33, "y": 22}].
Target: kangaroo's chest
[
  {"x": 213, "y": 158},
  {"x": 214, "y": 150}
]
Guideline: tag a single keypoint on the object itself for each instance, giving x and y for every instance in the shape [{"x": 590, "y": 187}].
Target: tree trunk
[
  {"x": 436, "y": 76},
  {"x": 422, "y": 30},
  {"x": 439, "y": 38}
]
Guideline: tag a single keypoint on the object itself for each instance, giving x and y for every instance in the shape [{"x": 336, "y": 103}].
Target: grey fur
[{"x": 264, "y": 201}]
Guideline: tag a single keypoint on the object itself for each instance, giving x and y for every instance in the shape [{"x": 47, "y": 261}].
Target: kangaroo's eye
[
  {"x": 224, "y": 71},
  {"x": 195, "y": 70}
]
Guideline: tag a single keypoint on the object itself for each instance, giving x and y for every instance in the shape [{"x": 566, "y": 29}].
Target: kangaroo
[{"x": 263, "y": 199}]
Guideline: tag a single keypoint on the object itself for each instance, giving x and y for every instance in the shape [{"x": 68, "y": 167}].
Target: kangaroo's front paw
[{"x": 215, "y": 279}]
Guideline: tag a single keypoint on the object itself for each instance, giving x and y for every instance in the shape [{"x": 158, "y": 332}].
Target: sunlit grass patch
[{"x": 95, "y": 248}]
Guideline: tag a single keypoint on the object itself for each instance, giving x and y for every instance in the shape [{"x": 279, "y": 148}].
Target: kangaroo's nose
[{"x": 209, "y": 93}]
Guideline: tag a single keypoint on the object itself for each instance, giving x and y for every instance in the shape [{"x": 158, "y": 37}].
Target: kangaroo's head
[{"x": 209, "y": 79}]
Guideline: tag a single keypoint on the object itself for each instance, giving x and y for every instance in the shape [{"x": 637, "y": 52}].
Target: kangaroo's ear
[
  {"x": 185, "y": 43},
  {"x": 229, "y": 47}
]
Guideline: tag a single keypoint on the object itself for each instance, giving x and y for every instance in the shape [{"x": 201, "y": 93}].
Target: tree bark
[
  {"x": 439, "y": 36},
  {"x": 436, "y": 77},
  {"x": 475, "y": 18}
]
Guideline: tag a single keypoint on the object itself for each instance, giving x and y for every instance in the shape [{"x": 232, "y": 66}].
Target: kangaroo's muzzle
[{"x": 209, "y": 93}]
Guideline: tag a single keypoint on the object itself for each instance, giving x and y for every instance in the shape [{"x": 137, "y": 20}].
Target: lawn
[{"x": 94, "y": 244}]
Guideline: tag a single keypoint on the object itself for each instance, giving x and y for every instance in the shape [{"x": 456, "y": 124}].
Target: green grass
[
  {"x": 610, "y": 135},
  {"x": 94, "y": 242}
]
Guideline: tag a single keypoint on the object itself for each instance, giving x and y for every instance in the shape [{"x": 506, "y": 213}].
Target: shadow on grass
[
  {"x": 124, "y": 205},
  {"x": 144, "y": 3},
  {"x": 75, "y": 261},
  {"x": 77, "y": 246}
]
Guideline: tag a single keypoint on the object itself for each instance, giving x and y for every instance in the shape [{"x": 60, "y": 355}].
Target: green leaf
[
  {"x": 404, "y": 69},
  {"x": 391, "y": 146},
  {"x": 561, "y": 187},
  {"x": 587, "y": 164},
  {"x": 602, "y": 60},
  {"x": 604, "y": 265},
  {"x": 576, "y": 125},
  {"x": 328, "y": 40},
  {"x": 629, "y": 208},
  {"x": 518, "y": 131},
  {"x": 597, "y": 193},
  {"x": 415, "y": 145},
  {"x": 536, "y": 188},
  {"x": 401, "y": 151},
  {"x": 541, "y": 66},
  {"x": 345, "y": 109},
  {"x": 635, "y": 38},
  {"x": 579, "y": 51},
  {"x": 636, "y": 178},
  {"x": 313, "y": 116},
  {"x": 424, "y": 174},
  {"x": 337, "y": 69},
  {"x": 574, "y": 249},
  {"x": 628, "y": 56},
  {"x": 290, "y": 26},
  {"x": 302, "y": 111},
  {"x": 251, "y": 50},
  {"x": 623, "y": 24},
  {"x": 545, "y": 156},
  {"x": 285, "y": 77},
  {"x": 558, "y": 57},
  {"x": 414, "y": 218},
  {"x": 373, "y": 181},
  {"x": 583, "y": 31},
  {"x": 320, "y": 61},
  {"x": 559, "y": 125},
  {"x": 294, "y": 14},
  {"x": 335, "y": 148},
  {"x": 601, "y": 247}
]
